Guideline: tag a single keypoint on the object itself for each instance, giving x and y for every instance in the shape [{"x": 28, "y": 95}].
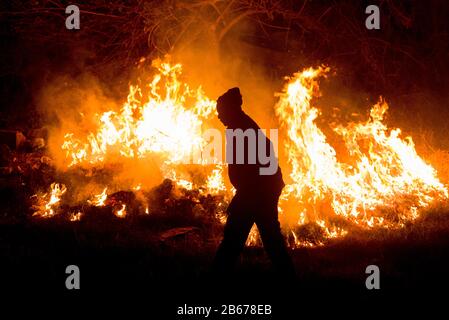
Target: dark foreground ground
[{"x": 128, "y": 264}]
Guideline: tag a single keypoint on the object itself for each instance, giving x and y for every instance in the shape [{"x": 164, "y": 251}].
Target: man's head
[{"x": 229, "y": 106}]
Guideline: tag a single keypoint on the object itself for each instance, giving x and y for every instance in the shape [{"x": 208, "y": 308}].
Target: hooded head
[{"x": 229, "y": 106}]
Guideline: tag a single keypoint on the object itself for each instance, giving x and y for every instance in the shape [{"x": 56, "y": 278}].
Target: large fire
[
  {"x": 168, "y": 121},
  {"x": 385, "y": 182}
]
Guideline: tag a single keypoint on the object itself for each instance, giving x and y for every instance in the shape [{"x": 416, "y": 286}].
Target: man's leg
[
  {"x": 238, "y": 226},
  {"x": 272, "y": 238}
]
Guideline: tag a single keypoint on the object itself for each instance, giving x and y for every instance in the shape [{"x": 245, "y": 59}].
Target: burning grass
[{"x": 384, "y": 184}]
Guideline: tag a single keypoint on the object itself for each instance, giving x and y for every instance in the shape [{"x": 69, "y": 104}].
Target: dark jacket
[{"x": 246, "y": 177}]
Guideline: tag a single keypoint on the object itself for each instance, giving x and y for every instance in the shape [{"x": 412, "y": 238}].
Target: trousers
[{"x": 245, "y": 209}]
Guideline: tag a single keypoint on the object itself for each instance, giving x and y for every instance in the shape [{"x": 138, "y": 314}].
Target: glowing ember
[
  {"x": 76, "y": 216},
  {"x": 99, "y": 199},
  {"x": 253, "y": 237},
  {"x": 215, "y": 182},
  {"x": 121, "y": 213},
  {"x": 49, "y": 202}
]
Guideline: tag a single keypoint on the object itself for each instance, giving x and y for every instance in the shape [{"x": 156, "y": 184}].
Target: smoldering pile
[{"x": 31, "y": 195}]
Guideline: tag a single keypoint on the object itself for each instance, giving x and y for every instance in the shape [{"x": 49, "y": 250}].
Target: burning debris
[
  {"x": 48, "y": 203},
  {"x": 99, "y": 199}
]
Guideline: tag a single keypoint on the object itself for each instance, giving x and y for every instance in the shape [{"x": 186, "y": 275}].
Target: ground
[{"x": 131, "y": 257}]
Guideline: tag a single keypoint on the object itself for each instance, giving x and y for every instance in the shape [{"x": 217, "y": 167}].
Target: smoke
[
  {"x": 69, "y": 105},
  {"x": 232, "y": 64},
  {"x": 72, "y": 103}
]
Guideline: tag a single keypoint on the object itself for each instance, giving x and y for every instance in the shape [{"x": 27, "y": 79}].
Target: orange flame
[
  {"x": 386, "y": 174},
  {"x": 99, "y": 199},
  {"x": 215, "y": 181},
  {"x": 161, "y": 123},
  {"x": 121, "y": 213},
  {"x": 49, "y": 202},
  {"x": 76, "y": 216}
]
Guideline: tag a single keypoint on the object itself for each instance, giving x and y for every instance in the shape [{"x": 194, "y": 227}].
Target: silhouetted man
[{"x": 257, "y": 195}]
